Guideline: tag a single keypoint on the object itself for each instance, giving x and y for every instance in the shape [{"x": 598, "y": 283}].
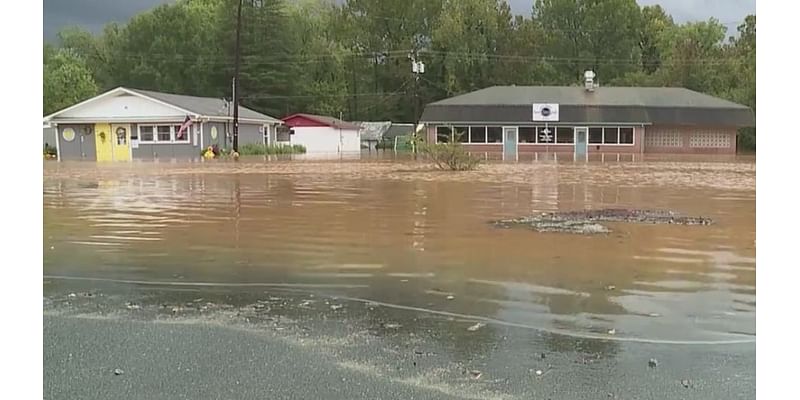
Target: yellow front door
[
  {"x": 103, "y": 140},
  {"x": 121, "y": 142}
]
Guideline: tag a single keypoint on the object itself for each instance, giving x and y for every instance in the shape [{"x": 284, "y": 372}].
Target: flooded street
[{"x": 375, "y": 264}]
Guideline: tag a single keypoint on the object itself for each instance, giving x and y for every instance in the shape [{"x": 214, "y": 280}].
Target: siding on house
[
  {"x": 325, "y": 139},
  {"x": 82, "y": 147}
]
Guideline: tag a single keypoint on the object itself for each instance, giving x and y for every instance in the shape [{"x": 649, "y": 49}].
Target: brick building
[{"x": 515, "y": 120}]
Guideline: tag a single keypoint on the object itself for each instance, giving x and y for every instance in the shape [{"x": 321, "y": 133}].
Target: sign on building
[
  {"x": 545, "y": 136},
  {"x": 545, "y": 112}
]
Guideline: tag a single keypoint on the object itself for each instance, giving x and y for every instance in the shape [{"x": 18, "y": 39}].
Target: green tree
[
  {"x": 601, "y": 35},
  {"x": 67, "y": 79},
  {"x": 654, "y": 22}
]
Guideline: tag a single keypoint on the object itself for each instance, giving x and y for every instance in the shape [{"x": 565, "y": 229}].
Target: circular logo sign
[
  {"x": 545, "y": 111},
  {"x": 68, "y": 134},
  {"x": 214, "y": 132}
]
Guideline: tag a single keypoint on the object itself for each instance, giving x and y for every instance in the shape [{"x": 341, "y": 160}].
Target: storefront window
[
  {"x": 527, "y": 134},
  {"x": 494, "y": 134},
  {"x": 565, "y": 134}
]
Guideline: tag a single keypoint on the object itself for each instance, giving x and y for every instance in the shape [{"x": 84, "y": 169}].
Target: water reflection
[{"x": 396, "y": 232}]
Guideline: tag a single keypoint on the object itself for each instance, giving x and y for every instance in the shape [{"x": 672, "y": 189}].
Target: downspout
[{"x": 58, "y": 140}]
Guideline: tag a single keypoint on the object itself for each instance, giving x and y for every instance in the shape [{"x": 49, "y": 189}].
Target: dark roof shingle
[
  {"x": 658, "y": 105},
  {"x": 207, "y": 106}
]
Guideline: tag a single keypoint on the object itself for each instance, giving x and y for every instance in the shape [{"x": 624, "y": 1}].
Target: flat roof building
[{"x": 587, "y": 119}]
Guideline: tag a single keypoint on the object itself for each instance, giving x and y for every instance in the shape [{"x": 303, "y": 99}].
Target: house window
[
  {"x": 610, "y": 135},
  {"x": 443, "y": 134},
  {"x": 146, "y": 133},
  {"x": 527, "y": 134},
  {"x": 162, "y": 134},
  {"x": 544, "y": 135},
  {"x": 477, "y": 134},
  {"x": 565, "y": 134},
  {"x": 494, "y": 134},
  {"x": 626, "y": 135},
  {"x": 460, "y": 134},
  {"x": 595, "y": 135},
  {"x": 182, "y": 136}
]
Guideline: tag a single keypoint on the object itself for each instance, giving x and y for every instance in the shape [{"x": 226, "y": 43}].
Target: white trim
[
  {"x": 172, "y": 132},
  {"x": 58, "y": 142},
  {"x": 202, "y": 124},
  {"x": 115, "y": 91}
]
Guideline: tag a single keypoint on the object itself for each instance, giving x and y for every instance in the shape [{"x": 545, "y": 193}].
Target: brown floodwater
[{"x": 396, "y": 232}]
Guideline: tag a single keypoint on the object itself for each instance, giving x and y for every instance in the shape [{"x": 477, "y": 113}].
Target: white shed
[{"x": 321, "y": 134}]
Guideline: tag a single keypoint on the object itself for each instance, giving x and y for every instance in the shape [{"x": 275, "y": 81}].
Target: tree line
[{"x": 354, "y": 58}]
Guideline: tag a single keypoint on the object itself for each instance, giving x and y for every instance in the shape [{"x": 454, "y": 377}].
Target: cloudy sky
[{"x": 93, "y": 14}]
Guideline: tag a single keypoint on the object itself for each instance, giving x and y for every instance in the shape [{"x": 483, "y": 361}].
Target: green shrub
[
  {"x": 451, "y": 155},
  {"x": 253, "y": 149}
]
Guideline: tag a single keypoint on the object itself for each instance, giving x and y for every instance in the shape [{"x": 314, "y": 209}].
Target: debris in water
[
  {"x": 611, "y": 287},
  {"x": 612, "y": 331},
  {"x": 118, "y": 371},
  {"x": 176, "y": 310},
  {"x": 335, "y": 307},
  {"x": 306, "y": 303},
  {"x": 475, "y": 374},
  {"x": 475, "y": 327},
  {"x": 585, "y": 221},
  {"x": 652, "y": 363},
  {"x": 654, "y": 314},
  {"x": 71, "y": 295},
  {"x": 539, "y": 372},
  {"x": 543, "y": 356},
  {"x": 52, "y": 247},
  {"x": 450, "y": 297},
  {"x": 132, "y": 306},
  {"x": 392, "y": 325},
  {"x": 197, "y": 300},
  {"x": 404, "y": 280},
  {"x": 686, "y": 383}
]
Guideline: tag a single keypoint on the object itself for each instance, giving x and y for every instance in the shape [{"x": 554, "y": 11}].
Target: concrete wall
[
  {"x": 690, "y": 140},
  {"x": 82, "y": 147}
]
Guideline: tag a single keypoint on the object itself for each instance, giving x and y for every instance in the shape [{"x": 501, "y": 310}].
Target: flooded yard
[{"x": 393, "y": 234}]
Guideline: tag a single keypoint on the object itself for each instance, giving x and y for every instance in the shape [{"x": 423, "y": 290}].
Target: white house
[{"x": 320, "y": 134}]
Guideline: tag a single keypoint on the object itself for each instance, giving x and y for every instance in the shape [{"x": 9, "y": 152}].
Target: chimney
[{"x": 588, "y": 80}]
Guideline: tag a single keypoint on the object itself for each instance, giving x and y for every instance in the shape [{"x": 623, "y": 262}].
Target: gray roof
[
  {"x": 650, "y": 105},
  {"x": 206, "y": 106},
  {"x": 398, "y": 130},
  {"x": 373, "y": 130}
]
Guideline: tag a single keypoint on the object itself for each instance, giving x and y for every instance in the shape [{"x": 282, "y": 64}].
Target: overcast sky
[{"x": 93, "y": 14}]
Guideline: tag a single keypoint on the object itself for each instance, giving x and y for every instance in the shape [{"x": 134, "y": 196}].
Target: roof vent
[{"x": 588, "y": 80}]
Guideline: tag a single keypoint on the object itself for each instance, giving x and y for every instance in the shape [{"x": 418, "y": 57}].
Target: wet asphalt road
[{"x": 252, "y": 344}]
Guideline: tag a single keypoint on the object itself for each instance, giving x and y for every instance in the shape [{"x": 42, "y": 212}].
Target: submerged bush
[
  {"x": 452, "y": 156},
  {"x": 254, "y": 149}
]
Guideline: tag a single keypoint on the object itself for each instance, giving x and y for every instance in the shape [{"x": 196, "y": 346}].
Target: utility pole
[
  {"x": 236, "y": 79},
  {"x": 417, "y": 68}
]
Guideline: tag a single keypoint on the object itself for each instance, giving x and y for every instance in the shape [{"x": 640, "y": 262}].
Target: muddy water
[{"x": 403, "y": 235}]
